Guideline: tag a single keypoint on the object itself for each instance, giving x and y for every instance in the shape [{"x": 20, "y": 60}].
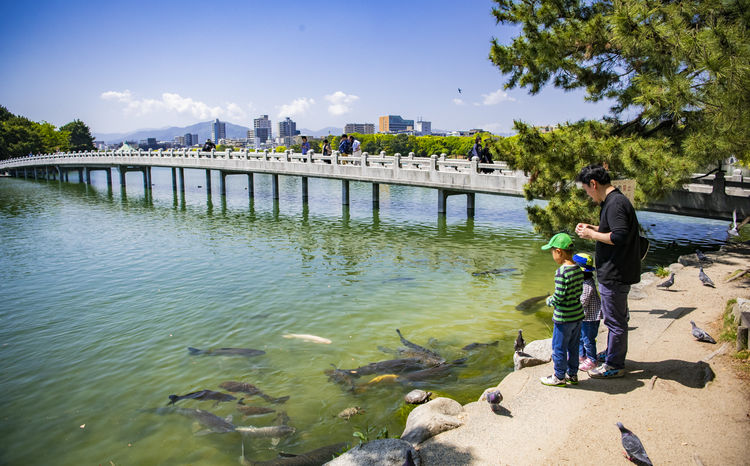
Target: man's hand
[{"x": 584, "y": 230}]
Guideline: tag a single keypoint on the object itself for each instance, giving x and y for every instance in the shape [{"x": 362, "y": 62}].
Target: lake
[{"x": 102, "y": 294}]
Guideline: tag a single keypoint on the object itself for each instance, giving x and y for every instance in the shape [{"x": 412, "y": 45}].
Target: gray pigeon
[
  {"x": 494, "y": 397},
  {"x": 701, "y": 335},
  {"x": 633, "y": 447},
  {"x": 667, "y": 283},
  {"x": 701, "y": 257},
  {"x": 704, "y": 278},
  {"x": 520, "y": 344}
]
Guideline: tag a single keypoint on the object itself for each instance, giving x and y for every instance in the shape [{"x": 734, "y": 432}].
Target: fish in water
[
  {"x": 383, "y": 378},
  {"x": 391, "y": 366},
  {"x": 494, "y": 272},
  {"x": 473, "y": 346},
  {"x": 269, "y": 431},
  {"x": 527, "y": 304},
  {"x": 254, "y": 410},
  {"x": 311, "y": 458},
  {"x": 427, "y": 356},
  {"x": 201, "y": 395},
  {"x": 227, "y": 352},
  {"x": 251, "y": 390},
  {"x": 212, "y": 422},
  {"x": 308, "y": 337}
]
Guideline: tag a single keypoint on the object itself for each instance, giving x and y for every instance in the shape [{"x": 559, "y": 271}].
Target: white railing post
[
  {"x": 363, "y": 161},
  {"x": 310, "y": 154},
  {"x": 433, "y": 162},
  {"x": 396, "y": 161},
  {"x": 335, "y": 158}
]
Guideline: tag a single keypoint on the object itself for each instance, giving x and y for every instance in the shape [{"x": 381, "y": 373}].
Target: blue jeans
[
  {"x": 565, "y": 340},
  {"x": 587, "y": 348},
  {"x": 615, "y": 312}
]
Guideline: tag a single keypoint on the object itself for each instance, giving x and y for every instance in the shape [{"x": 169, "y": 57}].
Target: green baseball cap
[{"x": 560, "y": 241}]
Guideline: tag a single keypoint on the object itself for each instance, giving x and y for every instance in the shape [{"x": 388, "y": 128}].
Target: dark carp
[
  {"x": 251, "y": 390},
  {"x": 247, "y": 352},
  {"x": 311, "y": 458},
  {"x": 391, "y": 366},
  {"x": 415, "y": 351},
  {"x": 270, "y": 431},
  {"x": 201, "y": 395},
  {"x": 530, "y": 303},
  {"x": 212, "y": 422},
  {"x": 473, "y": 346},
  {"x": 494, "y": 272}
]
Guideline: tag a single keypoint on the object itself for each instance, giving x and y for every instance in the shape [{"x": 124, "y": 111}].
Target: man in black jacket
[{"x": 618, "y": 262}]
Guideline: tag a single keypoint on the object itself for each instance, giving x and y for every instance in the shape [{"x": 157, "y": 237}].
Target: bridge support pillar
[
  {"x": 375, "y": 196},
  {"x": 304, "y": 190},
  {"x": 122, "y": 171},
  {"x": 208, "y": 181},
  {"x": 250, "y": 186},
  {"x": 80, "y": 175},
  {"x": 46, "y": 172},
  {"x": 470, "y": 201},
  {"x": 344, "y": 192},
  {"x": 275, "y": 186},
  {"x": 35, "y": 178},
  {"x": 67, "y": 176},
  {"x": 222, "y": 183},
  {"x": 182, "y": 180},
  {"x": 442, "y": 201},
  {"x": 25, "y": 176},
  {"x": 147, "y": 173},
  {"x": 87, "y": 175},
  {"x": 174, "y": 179},
  {"x": 109, "y": 178}
]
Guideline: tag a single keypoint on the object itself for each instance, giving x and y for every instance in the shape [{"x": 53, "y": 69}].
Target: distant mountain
[
  {"x": 203, "y": 130},
  {"x": 328, "y": 130}
]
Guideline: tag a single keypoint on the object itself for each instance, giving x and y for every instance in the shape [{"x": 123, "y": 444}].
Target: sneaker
[
  {"x": 571, "y": 380},
  {"x": 602, "y": 356},
  {"x": 606, "y": 371},
  {"x": 552, "y": 381},
  {"x": 587, "y": 365},
  {"x": 581, "y": 360}
]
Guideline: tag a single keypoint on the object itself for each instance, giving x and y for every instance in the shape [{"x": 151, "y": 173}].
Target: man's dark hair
[
  {"x": 343, "y": 136},
  {"x": 594, "y": 172},
  {"x": 304, "y": 138}
]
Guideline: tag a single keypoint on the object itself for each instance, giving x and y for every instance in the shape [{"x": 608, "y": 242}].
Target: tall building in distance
[
  {"x": 190, "y": 140},
  {"x": 287, "y": 131},
  {"x": 360, "y": 128},
  {"x": 423, "y": 127},
  {"x": 218, "y": 131},
  {"x": 395, "y": 124},
  {"x": 261, "y": 130}
]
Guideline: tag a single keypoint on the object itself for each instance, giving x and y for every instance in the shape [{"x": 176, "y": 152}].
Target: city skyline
[{"x": 342, "y": 63}]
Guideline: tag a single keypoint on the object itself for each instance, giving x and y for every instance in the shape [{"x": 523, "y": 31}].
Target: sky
[{"x": 122, "y": 66}]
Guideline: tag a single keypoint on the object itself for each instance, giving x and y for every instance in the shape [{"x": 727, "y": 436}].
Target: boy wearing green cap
[{"x": 568, "y": 312}]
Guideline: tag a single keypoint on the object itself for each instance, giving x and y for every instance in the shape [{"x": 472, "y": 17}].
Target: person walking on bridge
[{"x": 618, "y": 260}]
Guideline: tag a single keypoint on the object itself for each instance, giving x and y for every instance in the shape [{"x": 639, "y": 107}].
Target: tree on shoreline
[{"x": 678, "y": 76}]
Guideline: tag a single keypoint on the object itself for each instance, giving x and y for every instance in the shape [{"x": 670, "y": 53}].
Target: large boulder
[
  {"x": 432, "y": 418},
  {"x": 386, "y": 452},
  {"x": 536, "y": 352}
]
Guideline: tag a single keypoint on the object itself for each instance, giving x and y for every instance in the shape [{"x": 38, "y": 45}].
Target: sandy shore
[{"x": 666, "y": 398}]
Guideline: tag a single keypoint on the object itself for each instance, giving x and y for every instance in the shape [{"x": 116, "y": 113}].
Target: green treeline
[{"x": 20, "y": 136}]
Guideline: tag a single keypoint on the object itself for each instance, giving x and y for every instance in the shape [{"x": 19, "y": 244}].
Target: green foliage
[
  {"x": 280, "y": 149},
  {"x": 679, "y": 76},
  {"x": 728, "y": 328},
  {"x": 661, "y": 271},
  {"x": 80, "y": 136},
  {"x": 367, "y": 435}
]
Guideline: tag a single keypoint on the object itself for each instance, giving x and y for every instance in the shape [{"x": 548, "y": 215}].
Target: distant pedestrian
[
  {"x": 209, "y": 146},
  {"x": 568, "y": 312},
  {"x": 476, "y": 149},
  {"x": 592, "y": 309},
  {"x": 356, "y": 151},
  {"x": 305, "y": 145},
  {"x": 344, "y": 145},
  {"x": 618, "y": 262}
]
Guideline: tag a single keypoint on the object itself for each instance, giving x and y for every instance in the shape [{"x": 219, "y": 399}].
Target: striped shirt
[
  {"x": 592, "y": 304},
  {"x": 567, "y": 297}
]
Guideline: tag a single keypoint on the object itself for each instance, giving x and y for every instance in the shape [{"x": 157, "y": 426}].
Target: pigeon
[
  {"x": 494, "y": 397},
  {"x": 704, "y": 278},
  {"x": 667, "y": 283},
  {"x": 633, "y": 447},
  {"x": 520, "y": 344},
  {"x": 701, "y": 335},
  {"x": 701, "y": 257}
]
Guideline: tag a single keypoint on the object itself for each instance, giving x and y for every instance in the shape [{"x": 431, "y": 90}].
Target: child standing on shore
[
  {"x": 568, "y": 312},
  {"x": 592, "y": 309}
]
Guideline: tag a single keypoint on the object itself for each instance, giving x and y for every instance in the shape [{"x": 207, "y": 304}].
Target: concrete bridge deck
[{"x": 449, "y": 176}]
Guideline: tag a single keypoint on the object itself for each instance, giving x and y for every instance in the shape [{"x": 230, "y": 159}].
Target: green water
[{"x": 103, "y": 292}]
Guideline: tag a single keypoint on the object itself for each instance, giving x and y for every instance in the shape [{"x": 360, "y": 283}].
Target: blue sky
[{"x": 122, "y": 66}]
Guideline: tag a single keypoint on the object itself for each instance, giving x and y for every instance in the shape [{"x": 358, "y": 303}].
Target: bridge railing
[{"x": 397, "y": 161}]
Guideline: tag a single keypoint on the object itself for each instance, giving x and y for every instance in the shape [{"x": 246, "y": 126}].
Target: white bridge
[{"x": 448, "y": 175}]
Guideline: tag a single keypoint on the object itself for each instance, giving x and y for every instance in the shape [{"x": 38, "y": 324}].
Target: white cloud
[
  {"x": 297, "y": 107},
  {"x": 458, "y": 101},
  {"x": 497, "y": 97},
  {"x": 173, "y": 103},
  {"x": 340, "y": 102}
]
